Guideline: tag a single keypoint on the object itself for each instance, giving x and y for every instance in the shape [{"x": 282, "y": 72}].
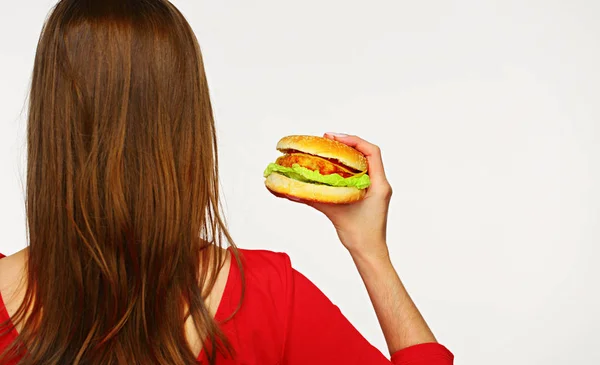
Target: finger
[
  {"x": 371, "y": 152},
  {"x": 321, "y": 207},
  {"x": 297, "y": 200}
]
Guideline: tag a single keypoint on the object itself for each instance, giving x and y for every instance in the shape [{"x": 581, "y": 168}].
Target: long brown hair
[{"x": 122, "y": 195}]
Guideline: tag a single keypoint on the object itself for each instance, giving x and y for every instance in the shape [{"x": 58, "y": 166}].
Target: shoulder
[
  {"x": 266, "y": 279},
  {"x": 259, "y": 287},
  {"x": 11, "y": 268},
  {"x": 264, "y": 262},
  {"x": 12, "y": 280},
  {"x": 266, "y": 271}
]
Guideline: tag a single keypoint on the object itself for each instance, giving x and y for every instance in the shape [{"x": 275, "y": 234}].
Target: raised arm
[{"x": 361, "y": 228}]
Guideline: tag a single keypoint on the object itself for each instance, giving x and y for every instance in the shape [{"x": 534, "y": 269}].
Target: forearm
[{"x": 400, "y": 320}]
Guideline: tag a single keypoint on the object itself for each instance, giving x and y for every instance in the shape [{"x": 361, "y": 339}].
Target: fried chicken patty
[{"x": 324, "y": 166}]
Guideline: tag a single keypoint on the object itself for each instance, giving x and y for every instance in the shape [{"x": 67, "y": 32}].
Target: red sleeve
[{"x": 318, "y": 333}]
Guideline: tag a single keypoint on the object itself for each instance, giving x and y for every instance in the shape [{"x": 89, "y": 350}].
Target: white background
[{"x": 488, "y": 116}]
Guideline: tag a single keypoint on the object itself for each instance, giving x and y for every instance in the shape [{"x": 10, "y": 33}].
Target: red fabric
[
  {"x": 286, "y": 320},
  {"x": 7, "y": 339}
]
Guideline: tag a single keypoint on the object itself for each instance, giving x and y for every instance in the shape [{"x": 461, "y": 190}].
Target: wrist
[{"x": 373, "y": 257}]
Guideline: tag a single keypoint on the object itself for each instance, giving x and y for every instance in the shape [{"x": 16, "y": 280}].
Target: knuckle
[{"x": 386, "y": 190}]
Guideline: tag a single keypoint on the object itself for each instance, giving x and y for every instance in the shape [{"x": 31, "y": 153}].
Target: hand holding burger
[{"x": 361, "y": 226}]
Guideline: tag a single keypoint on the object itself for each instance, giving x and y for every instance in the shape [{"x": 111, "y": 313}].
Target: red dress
[{"x": 286, "y": 320}]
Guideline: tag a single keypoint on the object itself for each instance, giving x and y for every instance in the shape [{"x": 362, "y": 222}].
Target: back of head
[{"x": 122, "y": 188}]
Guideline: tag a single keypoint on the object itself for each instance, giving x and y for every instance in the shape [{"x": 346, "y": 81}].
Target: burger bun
[{"x": 283, "y": 186}]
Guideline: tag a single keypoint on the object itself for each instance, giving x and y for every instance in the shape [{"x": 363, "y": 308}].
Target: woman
[{"x": 125, "y": 263}]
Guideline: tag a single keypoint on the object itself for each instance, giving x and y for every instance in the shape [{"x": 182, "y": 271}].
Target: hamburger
[{"x": 317, "y": 169}]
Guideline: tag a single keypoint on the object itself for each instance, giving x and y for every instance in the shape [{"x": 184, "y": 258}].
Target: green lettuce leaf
[{"x": 300, "y": 173}]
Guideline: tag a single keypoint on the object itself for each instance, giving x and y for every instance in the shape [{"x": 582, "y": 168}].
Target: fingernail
[{"x": 337, "y": 134}]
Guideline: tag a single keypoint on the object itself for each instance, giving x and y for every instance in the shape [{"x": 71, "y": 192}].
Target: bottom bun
[{"x": 285, "y": 187}]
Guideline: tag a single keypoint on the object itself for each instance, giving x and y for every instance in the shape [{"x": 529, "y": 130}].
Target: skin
[{"x": 361, "y": 227}]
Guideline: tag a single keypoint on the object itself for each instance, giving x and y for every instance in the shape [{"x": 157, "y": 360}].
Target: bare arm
[
  {"x": 399, "y": 318},
  {"x": 361, "y": 227}
]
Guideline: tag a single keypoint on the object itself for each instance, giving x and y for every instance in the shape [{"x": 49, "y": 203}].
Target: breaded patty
[{"x": 324, "y": 166}]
